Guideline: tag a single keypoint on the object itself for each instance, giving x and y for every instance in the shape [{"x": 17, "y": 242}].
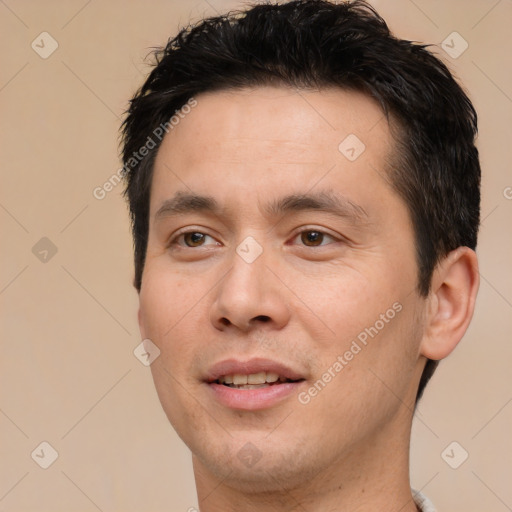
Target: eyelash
[{"x": 174, "y": 241}]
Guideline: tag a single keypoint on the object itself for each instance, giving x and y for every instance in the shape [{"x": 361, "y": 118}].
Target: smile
[{"x": 252, "y": 385}]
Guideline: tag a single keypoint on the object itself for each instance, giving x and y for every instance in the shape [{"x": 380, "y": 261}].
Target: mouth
[
  {"x": 254, "y": 380},
  {"x": 252, "y": 385}
]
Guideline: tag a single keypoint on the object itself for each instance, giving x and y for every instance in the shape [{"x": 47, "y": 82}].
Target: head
[{"x": 271, "y": 101}]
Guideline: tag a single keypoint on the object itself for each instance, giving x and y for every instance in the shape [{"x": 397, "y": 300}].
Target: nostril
[
  {"x": 225, "y": 321},
  {"x": 262, "y": 318}
]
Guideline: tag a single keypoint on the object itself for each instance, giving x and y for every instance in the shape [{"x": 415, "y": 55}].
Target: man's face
[{"x": 273, "y": 249}]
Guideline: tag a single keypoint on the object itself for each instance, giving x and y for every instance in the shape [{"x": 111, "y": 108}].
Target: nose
[{"x": 248, "y": 297}]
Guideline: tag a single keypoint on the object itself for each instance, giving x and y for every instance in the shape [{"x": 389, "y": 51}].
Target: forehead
[{"x": 287, "y": 136}]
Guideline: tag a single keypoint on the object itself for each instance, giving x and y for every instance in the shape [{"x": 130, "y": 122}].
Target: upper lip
[{"x": 256, "y": 365}]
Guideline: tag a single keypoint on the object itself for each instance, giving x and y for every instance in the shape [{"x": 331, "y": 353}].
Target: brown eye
[
  {"x": 312, "y": 238},
  {"x": 193, "y": 239}
]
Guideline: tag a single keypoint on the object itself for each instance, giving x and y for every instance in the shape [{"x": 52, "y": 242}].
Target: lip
[{"x": 252, "y": 399}]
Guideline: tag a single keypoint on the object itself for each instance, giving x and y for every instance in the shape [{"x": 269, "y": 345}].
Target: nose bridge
[
  {"x": 248, "y": 292},
  {"x": 246, "y": 280}
]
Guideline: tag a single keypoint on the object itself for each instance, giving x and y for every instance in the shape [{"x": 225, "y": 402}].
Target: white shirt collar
[{"x": 424, "y": 504}]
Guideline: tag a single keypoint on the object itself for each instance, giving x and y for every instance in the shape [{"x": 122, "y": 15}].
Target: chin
[{"x": 250, "y": 470}]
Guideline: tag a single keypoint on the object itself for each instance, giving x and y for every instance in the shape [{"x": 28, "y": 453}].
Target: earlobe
[{"x": 451, "y": 300}]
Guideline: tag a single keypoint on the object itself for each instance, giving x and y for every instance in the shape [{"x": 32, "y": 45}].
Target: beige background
[{"x": 68, "y": 373}]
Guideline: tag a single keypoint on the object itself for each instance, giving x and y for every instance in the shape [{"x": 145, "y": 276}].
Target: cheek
[
  {"x": 165, "y": 298},
  {"x": 344, "y": 303},
  {"x": 372, "y": 342},
  {"x": 360, "y": 387},
  {"x": 170, "y": 317},
  {"x": 373, "y": 361}
]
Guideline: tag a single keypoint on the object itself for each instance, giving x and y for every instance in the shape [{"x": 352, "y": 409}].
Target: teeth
[
  {"x": 239, "y": 379},
  {"x": 272, "y": 377},
  {"x": 256, "y": 378},
  {"x": 252, "y": 379}
]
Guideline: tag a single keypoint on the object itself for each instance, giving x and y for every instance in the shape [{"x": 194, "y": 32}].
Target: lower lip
[{"x": 254, "y": 399}]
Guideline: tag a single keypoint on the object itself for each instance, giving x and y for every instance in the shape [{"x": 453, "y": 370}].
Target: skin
[{"x": 299, "y": 303}]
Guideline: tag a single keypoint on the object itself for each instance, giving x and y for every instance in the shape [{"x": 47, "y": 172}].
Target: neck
[{"x": 370, "y": 476}]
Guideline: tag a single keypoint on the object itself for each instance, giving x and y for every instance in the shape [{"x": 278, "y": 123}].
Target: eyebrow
[
  {"x": 184, "y": 202},
  {"x": 325, "y": 201}
]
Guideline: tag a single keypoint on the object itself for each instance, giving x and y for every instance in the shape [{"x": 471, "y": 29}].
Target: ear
[{"x": 451, "y": 302}]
